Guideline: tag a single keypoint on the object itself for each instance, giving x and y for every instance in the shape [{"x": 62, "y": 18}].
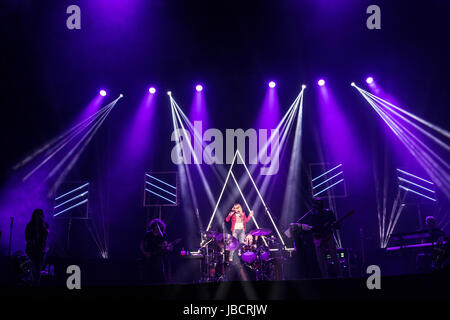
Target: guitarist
[
  {"x": 36, "y": 234},
  {"x": 154, "y": 246},
  {"x": 323, "y": 223}
]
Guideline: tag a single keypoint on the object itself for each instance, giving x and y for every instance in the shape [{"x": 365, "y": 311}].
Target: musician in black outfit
[
  {"x": 305, "y": 261},
  {"x": 431, "y": 226},
  {"x": 432, "y": 258},
  {"x": 323, "y": 225},
  {"x": 154, "y": 246},
  {"x": 36, "y": 233}
]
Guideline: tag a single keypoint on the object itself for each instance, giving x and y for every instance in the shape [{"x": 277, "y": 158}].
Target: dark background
[{"x": 49, "y": 73}]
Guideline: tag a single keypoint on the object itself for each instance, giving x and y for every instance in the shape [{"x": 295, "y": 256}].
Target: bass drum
[{"x": 248, "y": 255}]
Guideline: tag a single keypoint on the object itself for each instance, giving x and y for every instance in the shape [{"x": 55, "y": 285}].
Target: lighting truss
[
  {"x": 160, "y": 189},
  {"x": 73, "y": 201}
]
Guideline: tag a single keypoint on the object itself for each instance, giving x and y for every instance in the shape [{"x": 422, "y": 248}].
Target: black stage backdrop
[{"x": 50, "y": 73}]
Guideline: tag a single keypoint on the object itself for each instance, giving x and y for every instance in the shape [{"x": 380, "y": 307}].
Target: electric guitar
[
  {"x": 329, "y": 228},
  {"x": 164, "y": 247}
]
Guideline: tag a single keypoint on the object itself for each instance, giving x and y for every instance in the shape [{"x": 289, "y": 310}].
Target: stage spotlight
[
  {"x": 102, "y": 93},
  {"x": 272, "y": 84},
  {"x": 152, "y": 90},
  {"x": 321, "y": 82},
  {"x": 303, "y": 86},
  {"x": 169, "y": 93},
  {"x": 121, "y": 96},
  {"x": 353, "y": 84},
  {"x": 199, "y": 88},
  {"x": 369, "y": 80}
]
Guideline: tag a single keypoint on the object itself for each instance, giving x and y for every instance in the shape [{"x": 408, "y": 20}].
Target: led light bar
[
  {"x": 71, "y": 191},
  {"x": 411, "y": 186},
  {"x": 315, "y": 195},
  {"x": 410, "y": 174},
  {"x": 328, "y": 179},
  {"x": 163, "y": 182},
  {"x": 65, "y": 202},
  {"x": 419, "y": 245},
  {"x": 71, "y": 199},
  {"x": 161, "y": 187},
  {"x": 157, "y": 194},
  {"x": 339, "y": 165},
  {"x": 325, "y": 179},
  {"x": 418, "y": 193},
  {"x": 74, "y": 206},
  {"x": 164, "y": 190},
  {"x": 415, "y": 184}
]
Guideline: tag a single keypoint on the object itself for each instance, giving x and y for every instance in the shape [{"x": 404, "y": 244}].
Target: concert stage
[
  {"x": 120, "y": 280},
  {"x": 208, "y": 150}
]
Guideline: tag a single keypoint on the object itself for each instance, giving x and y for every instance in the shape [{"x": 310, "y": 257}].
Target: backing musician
[
  {"x": 323, "y": 225},
  {"x": 435, "y": 232},
  {"x": 154, "y": 246},
  {"x": 36, "y": 234},
  {"x": 433, "y": 259}
]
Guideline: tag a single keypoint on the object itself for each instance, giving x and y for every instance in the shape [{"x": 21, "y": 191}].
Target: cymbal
[
  {"x": 261, "y": 232},
  {"x": 231, "y": 243}
]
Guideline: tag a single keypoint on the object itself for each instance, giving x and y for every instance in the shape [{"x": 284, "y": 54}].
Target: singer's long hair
[{"x": 35, "y": 216}]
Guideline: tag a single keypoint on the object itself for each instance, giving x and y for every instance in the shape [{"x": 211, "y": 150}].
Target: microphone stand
[{"x": 224, "y": 250}]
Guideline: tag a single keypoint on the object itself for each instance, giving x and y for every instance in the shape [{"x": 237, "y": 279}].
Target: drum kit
[{"x": 221, "y": 252}]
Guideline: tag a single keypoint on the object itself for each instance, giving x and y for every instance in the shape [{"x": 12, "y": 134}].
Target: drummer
[{"x": 251, "y": 241}]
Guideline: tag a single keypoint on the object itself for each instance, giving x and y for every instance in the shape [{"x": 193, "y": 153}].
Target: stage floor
[{"x": 424, "y": 286}]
